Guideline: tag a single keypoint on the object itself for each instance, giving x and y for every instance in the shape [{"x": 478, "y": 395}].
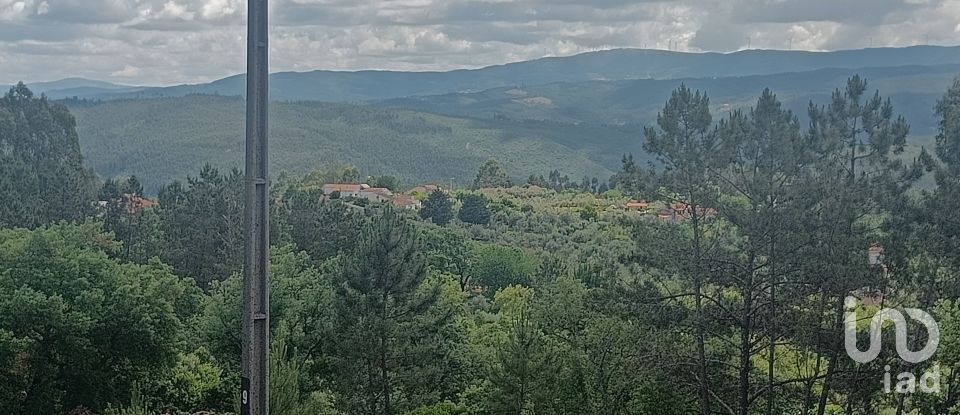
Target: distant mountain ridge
[
  {"x": 579, "y": 114},
  {"x": 617, "y": 64},
  {"x": 582, "y": 128},
  {"x": 79, "y": 88},
  {"x": 72, "y": 83},
  {"x": 914, "y": 90}
]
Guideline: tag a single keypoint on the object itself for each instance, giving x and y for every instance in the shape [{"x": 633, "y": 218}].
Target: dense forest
[
  {"x": 160, "y": 140},
  {"x": 586, "y": 127},
  {"x": 712, "y": 281}
]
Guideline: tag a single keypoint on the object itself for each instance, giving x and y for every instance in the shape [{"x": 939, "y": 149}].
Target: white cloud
[
  {"x": 13, "y": 10},
  {"x": 128, "y": 71}
]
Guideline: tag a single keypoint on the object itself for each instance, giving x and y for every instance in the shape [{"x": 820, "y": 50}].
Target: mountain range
[
  {"x": 579, "y": 114},
  {"x": 913, "y": 90},
  {"x": 617, "y": 64}
]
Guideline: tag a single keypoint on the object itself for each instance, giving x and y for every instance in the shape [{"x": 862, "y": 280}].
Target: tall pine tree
[
  {"x": 42, "y": 178},
  {"x": 381, "y": 313}
]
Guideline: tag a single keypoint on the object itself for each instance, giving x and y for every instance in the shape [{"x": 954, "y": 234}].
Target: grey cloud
[
  {"x": 716, "y": 37},
  {"x": 567, "y": 11},
  {"x": 19, "y": 31},
  {"x": 496, "y": 32},
  {"x": 860, "y": 12},
  {"x": 84, "y": 11},
  {"x": 298, "y": 14},
  {"x": 176, "y": 41}
]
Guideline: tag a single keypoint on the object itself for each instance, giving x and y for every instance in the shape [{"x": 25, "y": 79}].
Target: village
[{"x": 410, "y": 200}]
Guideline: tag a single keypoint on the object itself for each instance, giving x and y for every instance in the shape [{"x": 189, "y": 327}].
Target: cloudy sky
[{"x": 159, "y": 42}]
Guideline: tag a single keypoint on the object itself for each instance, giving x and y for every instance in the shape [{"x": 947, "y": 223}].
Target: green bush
[{"x": 442, "y": 408}]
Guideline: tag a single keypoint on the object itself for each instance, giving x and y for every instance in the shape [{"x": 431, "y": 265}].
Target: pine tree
[
  {"x": 381, "y": 311},
  {"x": 633, "y": 180},
  {"x": 438, "y": 207},
  {"x": 948, "y": 136},
  {"x": 202, "y": 225},
  {"x": 941, "y": 231},
  {"x": 323, "y": 229},
  {"x": 516, "y": 372},
  {"x": 686, "y": 145},
  {"x": 133, "y": 186},
  {"x": 854, "y": 139},
  {"x": 475, "y": 210},
  {"x": 766, "y": 152},
  {"x": 491, "y": 175}
]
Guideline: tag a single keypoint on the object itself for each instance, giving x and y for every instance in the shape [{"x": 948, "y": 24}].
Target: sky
[{"x": 164, "y": 42}]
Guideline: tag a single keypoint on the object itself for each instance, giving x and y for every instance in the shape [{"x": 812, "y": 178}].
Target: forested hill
[
  {"x": 160, "y": 140},
  {"x": 583, "y": 128},
  {"x": 619, "y": 64},
  {"x": 914, "y": 90}
]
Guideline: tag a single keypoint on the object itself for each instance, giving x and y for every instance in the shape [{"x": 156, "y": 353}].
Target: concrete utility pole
[{"x": 254, "y": 395}]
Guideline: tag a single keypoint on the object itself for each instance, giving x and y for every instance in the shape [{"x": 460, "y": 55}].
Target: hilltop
[{"x": 608, "y": 65}]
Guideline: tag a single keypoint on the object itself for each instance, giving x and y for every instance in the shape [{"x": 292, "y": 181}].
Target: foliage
[
  {"x": 334, "y": 173},
  {"x": 87, "y": 327},
  {"x": 442, "y": 408},
  {"x": 491, "y": 175},
  {"x": 519, "y": 362},
  {"x": 136, "y": 228},
  {"x": 323, "y": 229},
  {"x": 385, "y": 181},
  {"x": 948, "y": 137},
  {"x": 726, "y": 295},
  {"x": 138, "y": 406},
  {"x": 438, "y": 208},
  {"x": 164, "y": 139},
  {"x": 286, "y": 396},
  {"x": 497, "y": 266},
  {"x": 202, "y": 225},
  {"x": 197, "y": 382},
  {"x": 381, "y": 312},
  {"x": 475, "y": 209},
  {"x": 301, "y": 298},
  {"x": 42, "y": 178},
  {"x": 634, "y": 180}
]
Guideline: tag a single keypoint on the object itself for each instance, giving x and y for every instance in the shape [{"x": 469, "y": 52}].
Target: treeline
[{"x": 516, "y": 300}]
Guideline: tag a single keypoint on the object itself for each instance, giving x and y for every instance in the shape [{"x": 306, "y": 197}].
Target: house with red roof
[
  {"x": 343, "y": 189},
  {"x": 376, "y": 194},
  {"x": 637, "y": 205},
  {"x": 406, "y": 202}
]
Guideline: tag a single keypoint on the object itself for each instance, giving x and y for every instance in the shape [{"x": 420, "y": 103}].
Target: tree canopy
[
  {"x": 725, "y": 290},
  {"x": 42, "y": 177}
]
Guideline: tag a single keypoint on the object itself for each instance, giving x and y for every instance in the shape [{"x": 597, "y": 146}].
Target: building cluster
[
  {"x": 131, "y": 203},
  {"x": 409, "y": 200},
  {"x": 676, "y": 212}
]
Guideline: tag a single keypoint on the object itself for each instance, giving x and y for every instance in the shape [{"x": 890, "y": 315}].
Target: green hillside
[
  {"x": 913, "y": 89},
  {"x": 581, "y": 128},
  {"x": 161, "y": 140}
]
